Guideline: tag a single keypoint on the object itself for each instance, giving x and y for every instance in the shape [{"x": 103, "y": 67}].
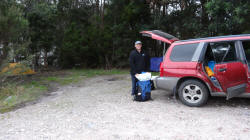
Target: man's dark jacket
[{"x": 139, "y": 62}]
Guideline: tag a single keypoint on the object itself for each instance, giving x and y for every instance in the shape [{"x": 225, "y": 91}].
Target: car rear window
[{"x": 183, "y": 53}]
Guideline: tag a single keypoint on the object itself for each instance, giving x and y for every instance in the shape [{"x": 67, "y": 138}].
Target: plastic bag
[{"x": 144, "y": 76}]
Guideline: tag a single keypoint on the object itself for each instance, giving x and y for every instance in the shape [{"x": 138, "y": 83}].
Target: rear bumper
[{"x": 166, "y": 83}]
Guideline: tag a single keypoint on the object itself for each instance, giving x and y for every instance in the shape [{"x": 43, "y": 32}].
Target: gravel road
[{"x": 101, "y": 109}]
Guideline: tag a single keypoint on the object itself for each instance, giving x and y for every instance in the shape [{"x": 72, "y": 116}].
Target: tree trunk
[
  {"x": 182, "y": 4},
  {"x": 97, "y": 2},
  {"x": 102, "y": 13},
  {"x": 45, "y": 58},
  {"x": 164, "y": 9},
  {"x": 107, "y": 63},
  {"x": 35, "y": 63},
  {"x": 5, "y": 52}
]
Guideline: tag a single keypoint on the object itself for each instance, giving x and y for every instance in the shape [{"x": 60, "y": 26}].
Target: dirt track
[{"x": 101, "y": 108}]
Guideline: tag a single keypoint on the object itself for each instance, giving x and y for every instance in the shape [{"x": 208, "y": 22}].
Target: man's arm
[{"x": 132, "y": 63}]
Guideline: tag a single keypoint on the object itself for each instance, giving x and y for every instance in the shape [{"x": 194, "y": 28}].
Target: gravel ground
[{"x": 101, "y": 108}]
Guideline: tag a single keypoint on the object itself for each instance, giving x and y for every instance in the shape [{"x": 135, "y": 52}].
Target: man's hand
[{"x": 136, "y": 74}]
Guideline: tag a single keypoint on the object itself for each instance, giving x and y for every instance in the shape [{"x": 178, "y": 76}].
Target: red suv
[{"x": 194, "y": 69}]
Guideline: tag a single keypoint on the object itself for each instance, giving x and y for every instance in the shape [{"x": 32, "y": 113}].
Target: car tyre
[{"x": 193, "y": 93}]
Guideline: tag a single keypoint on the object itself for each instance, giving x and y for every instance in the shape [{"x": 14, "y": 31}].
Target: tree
[
  {"x": 101, "y": 33},
  {"x": 13, "y": 29},
  {"x": 228, "y": 17},
  {"x": 72, "y": 33},
  {"x": 42, "y": 28}
]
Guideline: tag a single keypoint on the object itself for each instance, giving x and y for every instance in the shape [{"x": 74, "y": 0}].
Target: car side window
[
  {"x": 183, "y": 53},
  {"x": 224, "y": 51}
]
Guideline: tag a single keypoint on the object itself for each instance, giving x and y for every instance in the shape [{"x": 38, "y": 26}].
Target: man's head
[{"x": 138, "y": 45}]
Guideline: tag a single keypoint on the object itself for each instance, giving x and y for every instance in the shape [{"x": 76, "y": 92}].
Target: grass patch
[
  {"x": 96, "y": 72},
  {"x": 52, "y": 79},
  {"x": 13, "y": 95},
  {"x": 61, "y": 80},
  {"x": 76, "y": 75},
  {"x": 155, "y": 73}
]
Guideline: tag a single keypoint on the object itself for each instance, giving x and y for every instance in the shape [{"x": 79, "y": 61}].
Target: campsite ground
[{"x": 101, "y": 108}]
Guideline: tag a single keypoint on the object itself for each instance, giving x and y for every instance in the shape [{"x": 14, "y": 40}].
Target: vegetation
[{"x": 101, "y": 33}]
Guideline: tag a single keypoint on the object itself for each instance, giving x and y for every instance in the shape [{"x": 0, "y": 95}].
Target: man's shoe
[{"x": 133, "y": 97}]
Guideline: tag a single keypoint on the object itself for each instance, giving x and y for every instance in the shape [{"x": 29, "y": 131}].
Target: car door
[
  {"x": 246, "y": 57},
  {"x": 159, "y": 35},
  {"x": 229, "y": 70}
]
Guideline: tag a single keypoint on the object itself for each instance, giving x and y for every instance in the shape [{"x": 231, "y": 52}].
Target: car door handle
[{"x": 222, "y": 69}]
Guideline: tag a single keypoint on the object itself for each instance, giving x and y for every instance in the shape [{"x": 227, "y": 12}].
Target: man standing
[{"x": 139, "y": 62}]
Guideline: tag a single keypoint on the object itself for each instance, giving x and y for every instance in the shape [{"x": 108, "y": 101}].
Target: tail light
[{"x": 161, "y": 69}]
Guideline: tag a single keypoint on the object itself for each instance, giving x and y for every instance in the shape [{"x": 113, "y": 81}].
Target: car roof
[{"x": 230, "y": 37}]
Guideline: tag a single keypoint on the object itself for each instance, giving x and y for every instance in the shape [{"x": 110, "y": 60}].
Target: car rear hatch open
[{"x": 159, "y": 35}]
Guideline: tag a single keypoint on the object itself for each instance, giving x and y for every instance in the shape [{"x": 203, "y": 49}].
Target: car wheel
[{"x": 193, "y": 93}]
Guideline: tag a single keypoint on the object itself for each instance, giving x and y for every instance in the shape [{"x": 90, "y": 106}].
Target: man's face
[{"x": 138, "y": 47}]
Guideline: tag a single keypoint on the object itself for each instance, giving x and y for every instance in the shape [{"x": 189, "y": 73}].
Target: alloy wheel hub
[{"x": 192, "y": 93}]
